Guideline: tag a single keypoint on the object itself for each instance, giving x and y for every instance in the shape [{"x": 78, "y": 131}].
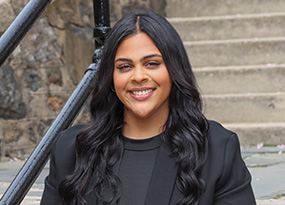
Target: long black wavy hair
[{"x": 100, "y": 146}]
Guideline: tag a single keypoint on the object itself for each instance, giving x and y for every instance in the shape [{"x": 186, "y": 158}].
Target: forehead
[{"x": 137, "y": 45}]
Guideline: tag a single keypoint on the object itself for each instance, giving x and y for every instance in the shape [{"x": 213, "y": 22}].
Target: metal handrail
[
  {"x": 20, "y": 26},
  {"x": 37, "y": 160}
]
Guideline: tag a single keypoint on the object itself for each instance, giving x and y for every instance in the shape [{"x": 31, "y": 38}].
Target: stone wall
[{"x": 44, "y": 69}]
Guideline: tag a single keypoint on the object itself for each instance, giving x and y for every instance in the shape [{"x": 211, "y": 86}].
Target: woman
[{"x": 148, "y": 142}]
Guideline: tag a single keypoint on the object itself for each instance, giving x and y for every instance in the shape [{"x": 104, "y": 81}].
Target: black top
[{"x": 136, "y": 168}]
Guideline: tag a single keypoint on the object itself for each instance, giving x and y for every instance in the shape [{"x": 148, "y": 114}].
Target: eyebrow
[{"x": 142, "y": 59}]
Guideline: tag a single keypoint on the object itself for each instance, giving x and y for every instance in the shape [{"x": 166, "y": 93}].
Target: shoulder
[
  {"x": 217, "y": 130},
  {"x": 67, "y": 138},
  {"x": 63, "y": 153},
  {"x": 219, "y": 137},
  {"x": 222, "y": 143},
  {"x": 223, "y": 147}
]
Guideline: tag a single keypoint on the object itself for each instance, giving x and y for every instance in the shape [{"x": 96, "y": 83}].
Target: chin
[{"x": 142, "y": 114}]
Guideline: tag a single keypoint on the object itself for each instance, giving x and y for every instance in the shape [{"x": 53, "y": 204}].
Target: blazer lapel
[{"x": 163, "y": 178}]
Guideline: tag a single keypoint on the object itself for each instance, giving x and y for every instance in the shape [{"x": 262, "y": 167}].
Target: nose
[{"x": 139, "y": 74}]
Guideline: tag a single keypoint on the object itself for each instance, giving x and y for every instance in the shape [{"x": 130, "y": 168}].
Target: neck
[{"x": 143, "y": 128}]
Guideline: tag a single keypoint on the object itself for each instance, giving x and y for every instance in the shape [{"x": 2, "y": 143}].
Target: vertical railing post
[
  {"x": 37, "y": 160},
  {"x": 102, "y": 24}
]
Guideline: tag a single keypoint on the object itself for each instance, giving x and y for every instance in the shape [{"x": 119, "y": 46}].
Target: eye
[
  {"x": 152, "y": 64},
  {"x": 124, "y": 67}
]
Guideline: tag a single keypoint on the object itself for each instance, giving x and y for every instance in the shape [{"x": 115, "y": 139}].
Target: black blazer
[{"x": 226, "y": 176}]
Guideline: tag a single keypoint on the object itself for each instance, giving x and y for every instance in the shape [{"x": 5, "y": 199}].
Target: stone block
[
  {"x": 32, "y": 79},
  {"x": 11, "y": 102},
  {"x": 21, "y": 136},
  {"x": 12, "y": 132},
  {"x": 40, "y": 47}
]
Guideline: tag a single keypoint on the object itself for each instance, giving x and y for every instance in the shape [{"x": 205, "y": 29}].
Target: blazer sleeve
[
  {"x": 234, "y": 185},
  {"x": 50, "y": 194}
]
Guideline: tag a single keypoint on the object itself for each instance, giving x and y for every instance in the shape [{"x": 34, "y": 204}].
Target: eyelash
[
  {"x": 147, "y": 64},
  {"x": 124, "y": 66},
  {"x": 153, "y": 63}
]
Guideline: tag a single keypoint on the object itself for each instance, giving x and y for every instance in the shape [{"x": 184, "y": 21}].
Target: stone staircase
[{"x": 237, "y": 49}]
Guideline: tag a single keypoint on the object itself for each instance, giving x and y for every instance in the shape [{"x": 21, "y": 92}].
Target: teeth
[{"x": 142, "y": 92}]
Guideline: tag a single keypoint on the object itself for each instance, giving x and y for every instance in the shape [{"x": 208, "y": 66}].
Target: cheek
[
  {"x": 116, "y": 80},
  {"x": 120, "y": 83},
  {"x": 164, "y": 80}
]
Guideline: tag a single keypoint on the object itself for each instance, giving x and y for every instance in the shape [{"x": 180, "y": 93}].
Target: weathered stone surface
[
  {"x": 84, "y": 115},
  {"x": 43, "y": 126},
  {"x": 7, "y": 15},
  {"x": 132, "y": 5},
  {"x": 18, "y": 5},
  {"x": 11, "y": 103},
  {"x": 18, "y": 132},
  {"x": 12, "y": 133},
  {"x": 84, "y": 34},
  {"x": 54, "y": 76},
  {"x": 32, "y": 134},
  {"x": 119, "y": 8},
  {"x": 56, "y": 103},
  {"x": 40, "y": 46},
  {"x": 158, "y": 6},
  {"x": 32, "y": 79},
  {"x": 64, "y": 12}
]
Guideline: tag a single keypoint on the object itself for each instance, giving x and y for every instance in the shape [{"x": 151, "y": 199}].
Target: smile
[
  {"x": 141, "y": 95},
  {"x": 143, "y": 92}
]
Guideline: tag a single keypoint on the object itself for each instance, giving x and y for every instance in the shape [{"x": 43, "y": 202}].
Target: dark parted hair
[{"x": 100, "y": 146}]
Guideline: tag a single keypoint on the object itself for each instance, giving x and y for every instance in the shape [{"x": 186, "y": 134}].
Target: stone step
[
  {"x": 252, "y": 51},
  {"x": 241, "y": 79},
  {"x": 230, "y": 27},
  {"x": 246, "y": 108},
  {"x": 254, "y": 133},
  {"x": 193, "y": 8}
]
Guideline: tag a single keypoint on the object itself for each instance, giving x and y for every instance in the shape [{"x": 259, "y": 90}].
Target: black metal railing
[
  {"x": 10, "y": 39},
  {"x": 20, "y": 26}
]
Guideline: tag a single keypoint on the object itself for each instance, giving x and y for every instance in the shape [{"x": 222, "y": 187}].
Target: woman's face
[{"x": 141, "y": 79}]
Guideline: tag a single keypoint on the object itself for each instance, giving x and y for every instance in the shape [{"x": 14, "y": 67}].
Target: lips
[{"x": 141, "y": 94}]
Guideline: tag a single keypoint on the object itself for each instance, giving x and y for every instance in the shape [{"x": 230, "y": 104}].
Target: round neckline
[{"x": 142, "y": 144}]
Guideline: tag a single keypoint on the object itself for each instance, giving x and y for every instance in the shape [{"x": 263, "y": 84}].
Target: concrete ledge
[
  {"x": 230, "y": 27},
  {"x": 241, "y": 79},
  {"x": 236, "y": 52},
  {"x": 247, "y": 108},
  {"x": 186, "y": 8},
  {"x": 250, "y": 134}
]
